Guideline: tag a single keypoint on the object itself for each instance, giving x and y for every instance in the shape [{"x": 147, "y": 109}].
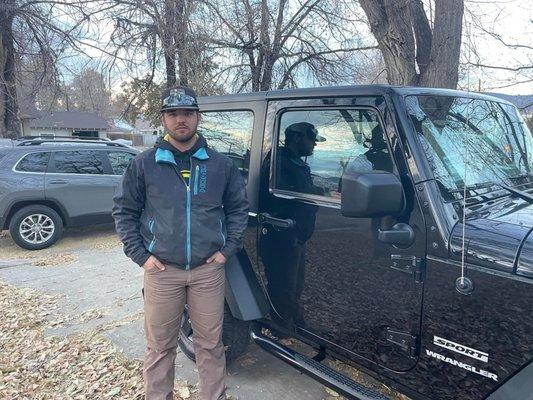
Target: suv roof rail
[
  {"x": 38, "y": 140},
  {"x": 53, "y": 137}
]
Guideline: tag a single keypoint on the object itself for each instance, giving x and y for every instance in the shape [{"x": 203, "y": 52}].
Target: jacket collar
[{"x": 164, "y": 153}]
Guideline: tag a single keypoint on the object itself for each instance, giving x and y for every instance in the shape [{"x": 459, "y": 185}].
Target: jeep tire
[
  {"x": 235, "y": 335},
  {"x": 36, "y": 227}
]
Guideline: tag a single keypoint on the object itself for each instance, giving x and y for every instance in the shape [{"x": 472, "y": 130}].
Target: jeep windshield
[{"x": 473, "y": 144}]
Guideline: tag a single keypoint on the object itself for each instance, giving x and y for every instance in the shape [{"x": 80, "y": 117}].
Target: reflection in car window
[
  {"x": 471, "y": 142},
  {"x": 345, "y": 140},
  {"x": 119, "y": 161},
  {"x": 78, "y": 162},
  {"x": 33, "y": 162},
  {"x": 230, "y": 133}
]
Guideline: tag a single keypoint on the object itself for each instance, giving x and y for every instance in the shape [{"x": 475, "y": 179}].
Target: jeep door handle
[
  {"x": 401, "y": 234},
  {"x": 58, "y": 182},
  {"x": 266, "y": 218}
]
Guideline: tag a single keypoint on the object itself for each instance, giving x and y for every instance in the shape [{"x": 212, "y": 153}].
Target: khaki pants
[{"x": 165, "y": 295}]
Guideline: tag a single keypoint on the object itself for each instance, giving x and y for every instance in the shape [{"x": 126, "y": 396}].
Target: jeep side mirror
[{"x": 371, "y": 194}]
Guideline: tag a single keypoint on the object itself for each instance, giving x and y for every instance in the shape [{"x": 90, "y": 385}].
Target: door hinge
[
  {"x": 409, "y": 265},
  {"x": 406, "y": 341}
]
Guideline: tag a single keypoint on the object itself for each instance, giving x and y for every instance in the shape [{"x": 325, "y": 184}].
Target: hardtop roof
[{"x": 343, "y": 91}]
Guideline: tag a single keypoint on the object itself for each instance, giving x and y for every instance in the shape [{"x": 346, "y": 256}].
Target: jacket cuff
[
  {"x": 141, "y": 258},
  {"x": 229, "y": 250}
]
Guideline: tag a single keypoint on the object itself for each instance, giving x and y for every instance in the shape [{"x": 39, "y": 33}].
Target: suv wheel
[
  {"x": 235, "y": 335},
  {"x": 36, "y": 227}
]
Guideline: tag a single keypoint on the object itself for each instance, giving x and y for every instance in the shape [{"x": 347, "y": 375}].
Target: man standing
[{"x": 181, "y": 211}]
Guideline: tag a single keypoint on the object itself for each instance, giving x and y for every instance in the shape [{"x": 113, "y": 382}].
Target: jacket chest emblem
[{"x": 202, "y": 179}]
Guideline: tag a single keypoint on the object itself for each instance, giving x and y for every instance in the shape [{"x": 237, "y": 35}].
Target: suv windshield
[{"x": 472, "y": 142}]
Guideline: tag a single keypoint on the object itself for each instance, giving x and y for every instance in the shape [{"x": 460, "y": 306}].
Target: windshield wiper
[
  {"x": 487, "y": 185},
  {"x": 519, "y": 193},
  {"x": 521, "y": 176}
]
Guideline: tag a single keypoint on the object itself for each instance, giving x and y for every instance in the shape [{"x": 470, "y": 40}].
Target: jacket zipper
[
  {"x": 189, "y": 216},
  {"x": 188, "y": 227},
  {"x": 188, "y": 205}
]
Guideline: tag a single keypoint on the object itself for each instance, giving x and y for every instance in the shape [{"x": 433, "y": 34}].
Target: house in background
[
  {"x": 143, "y": 136},
  {"x": 146, "y": 128},
  {"x": 67, "y": 123}
]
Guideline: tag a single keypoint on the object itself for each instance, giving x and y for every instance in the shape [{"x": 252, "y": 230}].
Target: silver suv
[{"x": 49, "y": 184}]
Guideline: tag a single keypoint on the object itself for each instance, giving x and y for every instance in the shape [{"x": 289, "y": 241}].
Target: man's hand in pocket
[
  {"x": 217, "y": 258},
  {"x": 153, "y": 264}
]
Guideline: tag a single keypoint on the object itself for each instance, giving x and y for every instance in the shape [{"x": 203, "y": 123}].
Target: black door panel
[{"x": 329, "y": 276}]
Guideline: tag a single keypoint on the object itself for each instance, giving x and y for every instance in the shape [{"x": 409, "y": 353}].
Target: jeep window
[
  {"x": 354, "y": 140},
  {"x": 230, "y": 133},
  {"x": 119, "y": 161},
  {"x": 78, "y": 162},
  {"x": 33, "y": 162},
  {"x": 472, "y": 142}
]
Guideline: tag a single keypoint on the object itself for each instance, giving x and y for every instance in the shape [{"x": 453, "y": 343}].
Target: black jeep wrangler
[{"x": 390, "y": 228}]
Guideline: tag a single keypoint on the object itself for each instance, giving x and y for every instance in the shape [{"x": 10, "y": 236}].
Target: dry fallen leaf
[
  {"x": 55, "y": 259},
  {"x": 331, "y": 392},
  {"x": 83, "y": 365}
]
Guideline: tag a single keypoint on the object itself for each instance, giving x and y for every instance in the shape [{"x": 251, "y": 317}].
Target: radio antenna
[{"x": 463, "y": 284}]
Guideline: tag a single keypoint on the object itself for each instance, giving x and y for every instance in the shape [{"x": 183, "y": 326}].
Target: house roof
[
  {"x": 143, "y": 124},
  {"x": 119, "y": 125},
  {"x": 69, "y": 119}
]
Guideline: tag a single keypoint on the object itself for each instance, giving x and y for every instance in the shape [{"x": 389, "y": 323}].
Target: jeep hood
[{"x": 497, "y": 236}]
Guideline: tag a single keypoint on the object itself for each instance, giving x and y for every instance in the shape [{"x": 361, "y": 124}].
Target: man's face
[
  {"x": 306, "y": 145},
  {"x": 180, "y": 124}
]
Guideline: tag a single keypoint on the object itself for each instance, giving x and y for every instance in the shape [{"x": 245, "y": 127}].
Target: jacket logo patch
[{"x": 203, "y": 179}]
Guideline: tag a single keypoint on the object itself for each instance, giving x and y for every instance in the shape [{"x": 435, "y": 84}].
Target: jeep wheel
[
  {"x": 235, "y": 335},
  {"x": 36, "y": 227}
]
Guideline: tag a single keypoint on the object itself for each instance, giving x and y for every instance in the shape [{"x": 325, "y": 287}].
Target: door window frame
[
  {"x": 205, "y": 110},
  {"x": 257, "y": 104},
  {"x": 326, "y": 201},
  {"x": 19, "y": 160},
  {"x": 105, "y": 165}
]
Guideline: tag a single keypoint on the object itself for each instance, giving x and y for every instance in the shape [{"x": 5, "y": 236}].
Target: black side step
[{"x": 322, "y": 373}]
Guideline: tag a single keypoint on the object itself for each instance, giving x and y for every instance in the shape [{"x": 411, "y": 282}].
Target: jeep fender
[
  {"x": 520, "y": 386},
  {"x": 244, "y": 294}
]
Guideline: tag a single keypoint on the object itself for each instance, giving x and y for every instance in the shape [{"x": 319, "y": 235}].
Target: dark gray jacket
[{"x": 157, "y": 213}]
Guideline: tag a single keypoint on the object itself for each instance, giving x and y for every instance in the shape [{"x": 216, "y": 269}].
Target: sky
[{"x": 510, "y": 20}]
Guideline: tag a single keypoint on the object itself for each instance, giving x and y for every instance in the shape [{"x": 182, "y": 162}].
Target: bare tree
[
  {"x": 485, "y": 27},
  {"x": 9, "y": 125},
  {"x": 157, "y": 31},
  {"x": 139, "y": 97},
  {"x": 416, "y": 53},
  {"x": 88, "y": 92},
  {"x": 43, "y": 25},
  {"x": 265, "y": 44}
]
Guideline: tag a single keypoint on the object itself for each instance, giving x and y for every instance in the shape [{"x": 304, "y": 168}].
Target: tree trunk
[
  {"x": 169, "y": 47},
  {"x": 413, "y": 54},
  {"x": 181, "y": 40},
  {"x": 390, "y": 23},
  {"x": 443, "y": 68},
  {"x": 9, "y": 121}
]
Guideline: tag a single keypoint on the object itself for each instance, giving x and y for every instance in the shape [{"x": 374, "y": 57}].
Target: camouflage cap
[{"x": 178, "y": 97}]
